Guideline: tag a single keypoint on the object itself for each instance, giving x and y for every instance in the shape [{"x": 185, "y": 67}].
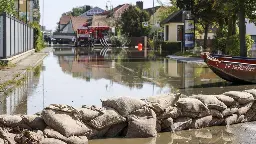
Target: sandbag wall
[{"x": 128, "y": 117}]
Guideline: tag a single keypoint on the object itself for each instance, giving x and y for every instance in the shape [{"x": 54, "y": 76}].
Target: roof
[
  {"x": 175, "y": 17},
  {"x": 65, "y": 19},
  {"x": 77, "y": 22},
  {"x": 100, "y": 20},
  {"x": 115, "y": 9},
  {"x": 152, "y": 10}
]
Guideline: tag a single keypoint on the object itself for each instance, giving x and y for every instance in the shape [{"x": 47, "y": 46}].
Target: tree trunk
[
  {"x": 242, "y": 30},
  {"x": 206, "y": 28},
  {"x": 234, "y": 18}
]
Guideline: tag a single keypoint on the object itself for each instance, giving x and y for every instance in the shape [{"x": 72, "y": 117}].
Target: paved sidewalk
[
  {"x": 193, "y": 60},
  {"x": 21, "y": 67}
]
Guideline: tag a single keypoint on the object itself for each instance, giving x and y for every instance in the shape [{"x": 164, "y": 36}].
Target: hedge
[{"x": 169, "y": 48}]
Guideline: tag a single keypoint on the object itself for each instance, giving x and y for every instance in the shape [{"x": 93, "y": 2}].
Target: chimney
[{"x": 139, "y": 4}]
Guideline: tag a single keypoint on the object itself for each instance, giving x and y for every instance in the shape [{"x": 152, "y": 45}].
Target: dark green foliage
[
  {"x": 171, "y": 47},
  {"x": 131, "y": 22},
  {"x": 7, "y": 6},
  {"x": 38, "y": 37}
]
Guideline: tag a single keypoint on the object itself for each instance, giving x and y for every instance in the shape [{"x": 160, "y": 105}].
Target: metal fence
[{"x": 16, "y": 37}]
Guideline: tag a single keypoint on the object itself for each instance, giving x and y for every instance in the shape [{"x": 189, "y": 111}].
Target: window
[
  {"x": 166, "y": 33},
  {"x": 179, "y": 32}
]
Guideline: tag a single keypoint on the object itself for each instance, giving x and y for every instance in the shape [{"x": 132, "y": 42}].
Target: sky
[{"x": 53, "y": 9}]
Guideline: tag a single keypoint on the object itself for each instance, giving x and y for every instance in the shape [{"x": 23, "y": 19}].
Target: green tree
[
  {"x": 131, "y": 22},
  {"x": 80, "y": 10},
  {"x": 7, "y": 6}
]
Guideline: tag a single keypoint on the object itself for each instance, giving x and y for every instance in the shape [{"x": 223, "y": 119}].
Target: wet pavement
[{"x": 65, "y": 78}]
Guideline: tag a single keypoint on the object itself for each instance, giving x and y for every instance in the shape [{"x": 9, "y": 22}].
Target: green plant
[
  {"x": 38, "y": 36},
  {"x": 119, "y": 41},
  {"x": 171, "y": 47}
]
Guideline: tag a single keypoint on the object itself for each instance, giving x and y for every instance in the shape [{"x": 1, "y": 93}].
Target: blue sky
[{"x": 54, "y": 8}]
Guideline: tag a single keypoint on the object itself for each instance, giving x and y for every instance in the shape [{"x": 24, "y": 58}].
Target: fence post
[{"x": 145, "y": 47}]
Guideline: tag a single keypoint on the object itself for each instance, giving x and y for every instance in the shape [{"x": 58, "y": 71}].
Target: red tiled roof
[
  {"x": 78, "y": 22},
  {"x": 65, "y": 19},
  {"x": 109, "y": 11}
]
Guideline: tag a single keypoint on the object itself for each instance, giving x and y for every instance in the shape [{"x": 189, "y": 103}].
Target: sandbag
[
  {"x": 4, "y": 134},
  {"x": 172, "y": 112},
  {"x": 161, "y": 102},
  {"x": 228, "y": 101},
  {"x": 182, "y": 123},
  {"x": 29, "y": 137},
  {"x": 109, "y": 118},
  {"x": 231, "y": 119},
  {"x": 77, "y": 140},
  {"x": 123, "y": 105},
  {"x": 51, "y": 133},
  {"x": 96, "y": 134},
  {"x": 11, "y": 120},
  {"x": 241, "y": 97},
  {"x": 142, "y": 124},
  {"x": 245, "y": 108},
  {"x": 52, "y": 141},
  {"x": 252, "y": 91},
  {"x": 216, "y": 121},
  {"x": 191, "y": 105},
  {"x": 89, "y": 113},
  {"x": 241, "y": 119},
  {"x": 201, "y": 122},
  {"x": 195, "y": 114},
  {"x": 115, "y": 130},
  {"x": 211, "y": 102},
  {"x": 2, "y": 141},
  {"x": 249, "y": 115},
  {"x": 65, "y": 123},
  {"x": 34, "y": 121},
  {"x": 158, "y": 126},
  {"x": 216, "y": 113},
  {"x": 167, "y": 125},
  {"x": 229, "y": 112}
]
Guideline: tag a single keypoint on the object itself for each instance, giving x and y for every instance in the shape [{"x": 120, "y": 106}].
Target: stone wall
[{"x": 128, "y": 117}]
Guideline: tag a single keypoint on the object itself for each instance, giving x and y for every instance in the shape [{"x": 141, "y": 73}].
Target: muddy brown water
[{"x": 76, "y": 80}]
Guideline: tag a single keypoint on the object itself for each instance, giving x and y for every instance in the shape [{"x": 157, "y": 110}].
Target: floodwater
[{"x": 65, "y": 78}]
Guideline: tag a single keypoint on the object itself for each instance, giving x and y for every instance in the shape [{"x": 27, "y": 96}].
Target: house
[
  {"x": 108, "y": 18},
  {"x": 173, "y": 27},
  {"x": 90, "y": 13},
  {"x": 210, "y": 35},
  {"x": 64, "y": 20},
  {"x": 251, "y": 30}
]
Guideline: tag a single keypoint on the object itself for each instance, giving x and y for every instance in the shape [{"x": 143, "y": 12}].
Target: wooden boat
[{"x": 232, "y": 69}]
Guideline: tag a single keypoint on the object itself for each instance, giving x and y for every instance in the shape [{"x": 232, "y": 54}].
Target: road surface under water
[{"x": 65, "y": 78}]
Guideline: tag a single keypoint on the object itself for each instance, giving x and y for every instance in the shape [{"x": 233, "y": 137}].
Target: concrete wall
[{"x": 172, "y": 31}]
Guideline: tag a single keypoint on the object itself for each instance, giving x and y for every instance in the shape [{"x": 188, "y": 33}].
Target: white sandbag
[
  {"x": 167, "y": 125},
  {"x": 191, "y": 105},
  {"x": 89, "y": 113},
  {"x": 124, "y": 105},
  {"x": 211, "y": 102},
  {"x": 109, "y": 118},
  {"x": 241, "y": 97},
  {"x": 229, "y": 112},
  {"x": 201, "y": 122},
  {"x": 142, "y": 124},
  {"x": 172, "y": 112},
  {"x": 245, "y": 108},
  {"x": 231, "y": 119},
  {"x": 34, "y": 121},
  {"x": 65, "y": 123},
  {"x": 228, "y": 101},
  {"x": 52, "y": 141},
  {"x": 29, "y": 137},
  {"x": 182, "y": 123}
]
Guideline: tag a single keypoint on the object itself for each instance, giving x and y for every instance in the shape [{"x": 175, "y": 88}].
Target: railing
[{"x": 16, "y": 37}]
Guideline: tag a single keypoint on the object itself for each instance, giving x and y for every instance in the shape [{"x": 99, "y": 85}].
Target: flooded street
[{"x": 76, "y": 80}]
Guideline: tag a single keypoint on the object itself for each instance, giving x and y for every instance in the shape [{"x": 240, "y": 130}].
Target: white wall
[
  {"x": 68, "y": 28},
  {"x": 250, "y": 28},
  {"x": 172, "y": 31}
]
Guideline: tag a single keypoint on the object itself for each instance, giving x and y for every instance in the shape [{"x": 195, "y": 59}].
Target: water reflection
[
  {"x": 15, "y": 102},
  {"x": 213, "y": 135},
  {"x": 83, "y": 79}
]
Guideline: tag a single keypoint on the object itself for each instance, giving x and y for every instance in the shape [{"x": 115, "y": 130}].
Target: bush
[
  {"x": 171, "y": 47},
  {"x": 38, "y": 37}
]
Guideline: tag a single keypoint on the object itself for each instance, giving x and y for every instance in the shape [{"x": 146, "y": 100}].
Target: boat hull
[{"x": 232, "y": 71}]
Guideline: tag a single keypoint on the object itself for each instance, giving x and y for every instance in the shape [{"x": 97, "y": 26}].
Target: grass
[
  {"x": 7, "y": 87},
  {"x": 6, "y": 65}
]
